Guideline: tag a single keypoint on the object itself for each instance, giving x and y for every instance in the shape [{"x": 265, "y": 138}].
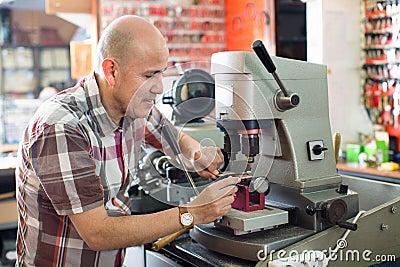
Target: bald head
[{"x": 128, "y": 39}]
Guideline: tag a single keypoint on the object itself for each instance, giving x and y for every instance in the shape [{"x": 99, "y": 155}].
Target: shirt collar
[{"x": 104, "y": 123}]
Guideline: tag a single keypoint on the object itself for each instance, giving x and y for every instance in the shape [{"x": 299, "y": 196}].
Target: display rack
[
  {"x": 194, "y": 29},
  {"x": 381, "y": 69},
  {"x": 17, "y": 69},
  {"x": 25, "y": 70},
  {"x": 54, "y": 66}
]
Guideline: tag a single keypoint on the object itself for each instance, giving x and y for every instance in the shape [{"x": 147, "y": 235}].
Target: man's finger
[
  {"x": 230, "y": 190},
  {"x": 231, "y": 180}
]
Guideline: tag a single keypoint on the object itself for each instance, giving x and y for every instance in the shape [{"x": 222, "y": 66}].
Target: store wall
[{"x": 334, "y": 39}]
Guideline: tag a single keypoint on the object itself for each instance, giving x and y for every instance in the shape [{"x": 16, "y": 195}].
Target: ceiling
[{"x": 23, "y": 4}]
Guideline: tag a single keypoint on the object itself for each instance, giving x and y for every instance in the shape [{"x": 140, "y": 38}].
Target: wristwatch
[{"x": 185, "y": 217}]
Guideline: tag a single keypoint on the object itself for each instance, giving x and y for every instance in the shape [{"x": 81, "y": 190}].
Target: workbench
[
  {"x": 369, "y": 173},
  {"x": 186, "y": 252}
]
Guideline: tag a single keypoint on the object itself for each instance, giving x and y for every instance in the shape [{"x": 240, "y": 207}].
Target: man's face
[{"x": 141, "y": 83}]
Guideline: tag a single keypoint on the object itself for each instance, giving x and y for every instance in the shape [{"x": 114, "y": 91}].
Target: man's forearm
[
  {"x": 188, "y": 145},
  {"x": 102, "y": 232}
]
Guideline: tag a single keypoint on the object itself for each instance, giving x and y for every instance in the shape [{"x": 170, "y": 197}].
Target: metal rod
[
  {"x": 279, "y": 82},
  {"x": 188, "y": 177},
  {"x": 171, "y": 140}
]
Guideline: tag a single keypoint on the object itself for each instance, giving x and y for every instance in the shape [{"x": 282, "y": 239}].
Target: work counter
[
  {"x": 369, "y": 173},
  {"x": 186, "y": 252}
]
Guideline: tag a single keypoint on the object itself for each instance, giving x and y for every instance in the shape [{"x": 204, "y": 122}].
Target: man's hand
[
  {"x": 214, "y": 201},
  {"x": 204, "y": 159},
  {"x": 207, "y": 161}
]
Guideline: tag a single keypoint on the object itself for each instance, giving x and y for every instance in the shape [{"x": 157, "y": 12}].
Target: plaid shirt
[{"x": 74, "y": 158}]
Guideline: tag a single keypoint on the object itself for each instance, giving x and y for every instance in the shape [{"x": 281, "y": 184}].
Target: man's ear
[{"x": 110, "y": 71}]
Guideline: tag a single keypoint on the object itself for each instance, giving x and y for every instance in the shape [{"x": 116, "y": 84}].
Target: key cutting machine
[
  {"x": 291, "y": 197},
  {"x": 285, "y": 136}
]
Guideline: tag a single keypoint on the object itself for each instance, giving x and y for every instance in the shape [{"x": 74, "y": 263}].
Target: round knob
[
  {"x": 334, "y": 210},
  {"x": 294, "y": 99},
  {"x": 259, "y": 184},
  {"x": 311, "y": 210}
]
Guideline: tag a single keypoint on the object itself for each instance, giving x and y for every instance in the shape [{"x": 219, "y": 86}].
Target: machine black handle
[
  {"x": 171, "y": 140},
  {"x": 263, "y": 55},
  {"x": 347, "y": 225},
  {"x": 289, "y": 100}
]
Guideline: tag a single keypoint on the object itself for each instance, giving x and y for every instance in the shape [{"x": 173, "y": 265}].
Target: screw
[
  {"x": 394, "y": 209},
  {"x": 384, "y": 227}
]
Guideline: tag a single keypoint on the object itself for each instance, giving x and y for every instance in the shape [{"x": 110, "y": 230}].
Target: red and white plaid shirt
[{"x": 74, "y": 158}]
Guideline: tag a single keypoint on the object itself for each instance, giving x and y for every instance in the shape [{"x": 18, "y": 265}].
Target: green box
[
  {"x": 352, "y": 152},
  {"x": 379, "y": 149}
]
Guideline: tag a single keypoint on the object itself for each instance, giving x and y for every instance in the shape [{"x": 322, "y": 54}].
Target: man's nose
[{"x": 157, "y": 86}]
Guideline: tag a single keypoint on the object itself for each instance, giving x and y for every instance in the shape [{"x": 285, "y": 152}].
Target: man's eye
[{"x": 151, "y": 75}]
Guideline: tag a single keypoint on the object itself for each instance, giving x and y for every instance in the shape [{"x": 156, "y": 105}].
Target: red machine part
[{"x": 248, "y": 201}]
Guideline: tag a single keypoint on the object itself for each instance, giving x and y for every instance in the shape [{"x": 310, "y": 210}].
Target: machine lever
[
  {"x": 263, "y": 55},
  {"x": 288, "y": 100},
  {"x": 347, "y": 225}
]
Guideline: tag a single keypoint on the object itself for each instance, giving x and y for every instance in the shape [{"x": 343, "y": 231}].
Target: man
[{"x": 77, "y": 159}]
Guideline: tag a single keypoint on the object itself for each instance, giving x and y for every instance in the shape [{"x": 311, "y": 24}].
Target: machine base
[{"x": 251, "y": 246}]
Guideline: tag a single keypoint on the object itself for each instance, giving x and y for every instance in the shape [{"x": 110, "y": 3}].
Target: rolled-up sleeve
[{"x": 61, "y": 160}]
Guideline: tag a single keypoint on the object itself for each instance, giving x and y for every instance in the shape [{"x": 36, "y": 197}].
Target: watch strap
[{"x": 183, "y": 209}]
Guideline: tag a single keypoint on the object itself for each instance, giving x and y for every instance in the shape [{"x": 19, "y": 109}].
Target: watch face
[{"x": 186, "y": 219}]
